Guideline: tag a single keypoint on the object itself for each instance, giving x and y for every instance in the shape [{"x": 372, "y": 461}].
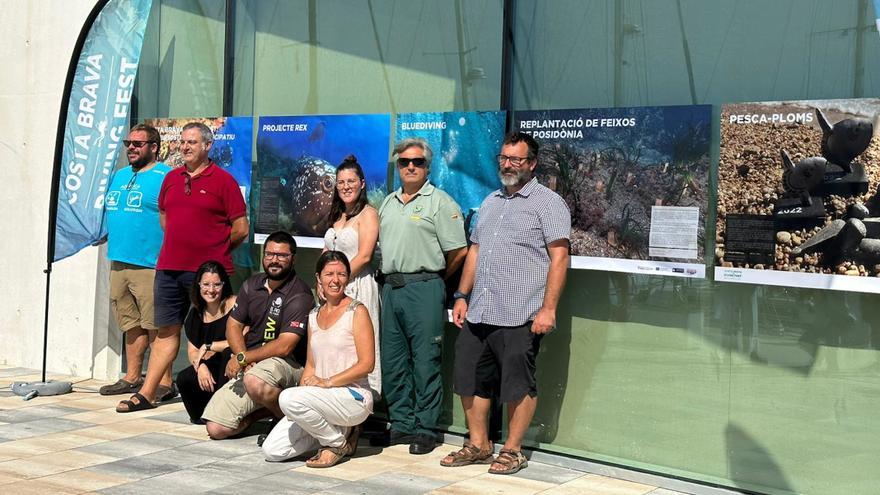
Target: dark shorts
[
  {"x": 492, "y": 361},
  {"x": 171, "y": 296}
]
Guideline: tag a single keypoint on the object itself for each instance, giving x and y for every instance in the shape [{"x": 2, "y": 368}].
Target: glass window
[{"x": 769, "y": 389}]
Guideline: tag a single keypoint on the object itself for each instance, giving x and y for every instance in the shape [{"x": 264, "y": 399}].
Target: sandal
[
  {"x": 121, "y": 387},
  {"x": 142, "y": 404},
  {"x": 339, "y": 453},
  {"x": 511, "y": 460},
  {"x": 468, "y": 454},
  {"x": 164, "y": 394},
  {"x": 351, "y": 440}
]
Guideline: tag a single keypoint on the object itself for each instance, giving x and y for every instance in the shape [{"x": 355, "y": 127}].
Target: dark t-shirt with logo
[{"x": 285, "y": 310}]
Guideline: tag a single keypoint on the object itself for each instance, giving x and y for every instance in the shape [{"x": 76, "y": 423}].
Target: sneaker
[
  {"x": 262, "y": 436},
  {"x": 423, "y": 444}
]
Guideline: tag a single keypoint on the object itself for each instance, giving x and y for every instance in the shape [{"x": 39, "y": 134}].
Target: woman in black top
[{"x": 205, "y": 327}]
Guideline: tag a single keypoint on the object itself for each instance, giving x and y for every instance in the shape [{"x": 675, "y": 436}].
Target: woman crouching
[{"x": 334, "y": 397}]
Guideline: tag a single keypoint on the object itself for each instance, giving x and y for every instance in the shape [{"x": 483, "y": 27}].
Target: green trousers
[{"x": 413, "y": 317}]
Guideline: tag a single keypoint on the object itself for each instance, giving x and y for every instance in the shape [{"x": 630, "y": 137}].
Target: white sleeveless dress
[{"x": 362, "y": 288}]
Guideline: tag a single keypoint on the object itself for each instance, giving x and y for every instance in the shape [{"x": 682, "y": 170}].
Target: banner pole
[{"x": 56, "y": 166}]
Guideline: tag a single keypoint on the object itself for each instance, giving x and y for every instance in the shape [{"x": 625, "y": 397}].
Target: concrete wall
[{"x": 35, "y": 53}]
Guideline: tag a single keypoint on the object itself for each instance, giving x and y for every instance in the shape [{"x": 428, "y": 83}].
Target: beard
[
  {"x": 280, "y": 275},
  {"x": 520, "y": 176}
]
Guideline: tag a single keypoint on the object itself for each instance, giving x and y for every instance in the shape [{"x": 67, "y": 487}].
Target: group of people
[{"x": 318, "y": 370}]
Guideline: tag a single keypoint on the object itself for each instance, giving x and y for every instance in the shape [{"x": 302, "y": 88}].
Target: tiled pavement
[{"x": 77, "y": 443}]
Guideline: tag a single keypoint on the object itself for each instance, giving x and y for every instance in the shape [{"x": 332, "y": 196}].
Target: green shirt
[{"x": 414, "y": 236}]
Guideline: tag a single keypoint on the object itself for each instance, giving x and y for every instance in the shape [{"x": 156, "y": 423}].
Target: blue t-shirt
[{"x": 133, "y": 232}]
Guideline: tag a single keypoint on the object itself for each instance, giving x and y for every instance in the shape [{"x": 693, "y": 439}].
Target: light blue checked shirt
[{"x": 513, "y": 233}]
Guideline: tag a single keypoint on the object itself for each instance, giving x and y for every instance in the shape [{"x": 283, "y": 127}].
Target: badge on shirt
[{"x": 297, "y": 324}]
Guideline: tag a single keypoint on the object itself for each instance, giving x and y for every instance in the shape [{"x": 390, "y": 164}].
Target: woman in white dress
[{"x": 354, "y": 231}]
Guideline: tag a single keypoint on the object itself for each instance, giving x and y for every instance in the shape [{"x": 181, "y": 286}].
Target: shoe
[
  {"x": 400, "y": 438},
  {"x": 121, "y": 387},
  {"x": 261, "y": 438},
  {"x": 423, "y": 444},
  {"x": 164, "y": 394}
]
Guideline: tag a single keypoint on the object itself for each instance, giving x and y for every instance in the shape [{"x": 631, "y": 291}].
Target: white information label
[{"x": 674, "y": 232}]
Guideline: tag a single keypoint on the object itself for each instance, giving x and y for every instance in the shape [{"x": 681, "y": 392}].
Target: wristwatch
[
  {"x": 242, "y": 361},
  {"x": 460, "y": 295}
]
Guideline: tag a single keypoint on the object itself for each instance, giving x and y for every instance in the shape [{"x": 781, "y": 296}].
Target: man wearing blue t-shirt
[{"x": 134, "y": 237}]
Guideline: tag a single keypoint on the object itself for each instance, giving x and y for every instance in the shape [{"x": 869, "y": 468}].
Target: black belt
[{"x": 398, "y": 280}]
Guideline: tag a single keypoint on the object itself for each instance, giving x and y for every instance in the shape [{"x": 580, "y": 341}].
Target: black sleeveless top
[{"x": 199, "y": 333}]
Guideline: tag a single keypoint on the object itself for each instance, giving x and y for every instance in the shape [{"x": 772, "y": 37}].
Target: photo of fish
[
  {"x": 232, "y": 148},
  {"x": 636, "y": 181},
  {"x": 296, "y": 162},
  {"x": 797, "y": 194},
  {"x": 464, "y": 146}
]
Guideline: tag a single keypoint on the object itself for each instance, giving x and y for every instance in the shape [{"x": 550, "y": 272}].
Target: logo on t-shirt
[
  {"x": 112, "y": 199},
  {"x": 275, "y": 309},
  {"x": 134, "y": 199}
]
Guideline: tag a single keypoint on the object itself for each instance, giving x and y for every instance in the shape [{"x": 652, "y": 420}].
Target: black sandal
[{"x": 131, "y": 406}]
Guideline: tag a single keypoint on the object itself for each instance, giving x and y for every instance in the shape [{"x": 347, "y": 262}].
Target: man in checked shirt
[{"x": 506, "y": 302}]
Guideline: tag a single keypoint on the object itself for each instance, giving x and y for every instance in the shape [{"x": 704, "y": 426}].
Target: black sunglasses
[
  {"x": 404, "y": 162},
  {"x": 137, "y": 144}
]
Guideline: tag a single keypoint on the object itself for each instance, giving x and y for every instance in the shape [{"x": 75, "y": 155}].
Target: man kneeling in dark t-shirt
[{"x": 270, "y": 356}]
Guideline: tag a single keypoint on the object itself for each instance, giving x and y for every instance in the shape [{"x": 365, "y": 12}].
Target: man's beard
[
  {"x": 283, "y": 274},
  {"x": 141, "y": 162},
  {"x": 521, "y": 176}
]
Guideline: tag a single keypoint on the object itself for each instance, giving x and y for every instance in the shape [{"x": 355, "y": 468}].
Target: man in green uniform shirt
[{"x": 422, "y": 238}]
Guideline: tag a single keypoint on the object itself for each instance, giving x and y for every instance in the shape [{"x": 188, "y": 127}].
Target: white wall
[{"x": 37, "y": 43}]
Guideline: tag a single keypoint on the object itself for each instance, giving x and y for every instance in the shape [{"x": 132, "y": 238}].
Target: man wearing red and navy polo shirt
[{"x": 203, "y": 213}]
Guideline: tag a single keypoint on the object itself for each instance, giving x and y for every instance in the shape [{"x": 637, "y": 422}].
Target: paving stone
[
  {"x": 17, "y": 431},
  {"x": 138, "y": 446},
  {"x": 231, "y": 447},
  {"x": 176, "y": 417},
  {"x": 664, "y": 491},
  {"x": 288, "y": 482},
  {"x": 549, "y": 474},
  {"x": 150, "y": 465},
  {"x": 390, "y": 482},
  {"x": 8, "y": 372},
  {"x": 34, "y": 413},
  {"x": 248, "y": 466}
]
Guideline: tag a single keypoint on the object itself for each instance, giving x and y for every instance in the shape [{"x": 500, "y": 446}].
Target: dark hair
[
  {"x": 152, "y": 133},
  {"x": 330, "y": 257},
  {"x": 517, "y": 137},
  {"x": 195, "y": 295},
  {"x": 207, "y": 134},
  {"x": 338, "y": 206},
  {"x": 282, "y": 237}
]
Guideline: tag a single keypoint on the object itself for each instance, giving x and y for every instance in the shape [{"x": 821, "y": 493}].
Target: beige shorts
[
  {"x": 131, "y": 295},
  {"x": 229, "y": 405}
]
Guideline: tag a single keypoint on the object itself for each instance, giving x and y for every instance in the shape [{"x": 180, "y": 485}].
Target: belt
[{"x": 398, "y": 280}]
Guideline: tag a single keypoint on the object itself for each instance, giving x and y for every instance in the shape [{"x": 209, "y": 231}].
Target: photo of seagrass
[
  {"x": 627, "y": 175},
  {"x": 797, "y": 185}
]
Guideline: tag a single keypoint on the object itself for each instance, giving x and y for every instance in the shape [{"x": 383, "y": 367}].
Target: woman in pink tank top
[{"x": 334, "y": 396}]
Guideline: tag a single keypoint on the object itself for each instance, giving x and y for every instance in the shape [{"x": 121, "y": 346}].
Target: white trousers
[{"x": 313, "y": 417}]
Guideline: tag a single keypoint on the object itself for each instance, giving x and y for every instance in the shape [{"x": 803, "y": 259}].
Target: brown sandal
[
  {"x": 512, "y": 460},
  {"x": 339, "y": 453},
  {"x": 351, "y": 440},
  {"x": 468, "y": 454}
]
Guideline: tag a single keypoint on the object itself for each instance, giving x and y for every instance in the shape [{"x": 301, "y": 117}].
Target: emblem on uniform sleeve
[{"x": 297, "y": 324}]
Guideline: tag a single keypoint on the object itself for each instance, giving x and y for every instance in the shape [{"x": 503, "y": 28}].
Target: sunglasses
[
  {"x": 136, "y": 144},
  {"x": 404, "y": 162}
]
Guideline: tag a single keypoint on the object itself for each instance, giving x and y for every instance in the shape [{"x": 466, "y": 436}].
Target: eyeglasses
[
  {"x": 404, "y": 162},
  {"x": 278, "y": 256},
  {"x": 136, "y": 144},
  {"x": 214, "y": 285},
  {"x": 131, "y": 181},
  {"x": 340, "y": 184},
  {"x": 516, "y": 161}
]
